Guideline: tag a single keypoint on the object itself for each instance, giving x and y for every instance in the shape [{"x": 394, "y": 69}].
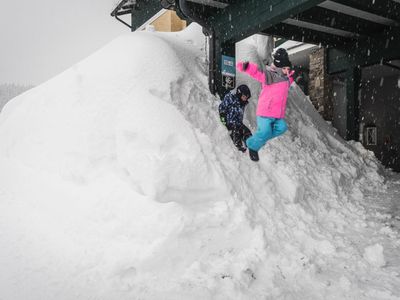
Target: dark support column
[
  {"x": 227, "y": 49},
  {"x": 216, "y": 51},
  {"x": 353, "y": 78},
  {"x": 214, "y": 44}
]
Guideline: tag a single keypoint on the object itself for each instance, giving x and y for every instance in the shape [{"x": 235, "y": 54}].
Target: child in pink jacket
[{"x": 275, "y": 80}]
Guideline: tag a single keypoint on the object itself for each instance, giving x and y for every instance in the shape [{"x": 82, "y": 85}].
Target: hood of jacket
[{"x": 274, "y": 74}]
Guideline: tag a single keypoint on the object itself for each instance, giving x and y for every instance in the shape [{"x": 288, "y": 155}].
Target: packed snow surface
[{"x": 117, "y": 181}]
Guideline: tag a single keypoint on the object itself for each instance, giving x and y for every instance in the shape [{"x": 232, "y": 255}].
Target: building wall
[
  {"x": 169, "y": 22},
  {"x": 380, "y": 107},
  {"x": 176, "y": 23},
  {"x": 379, "y": 100}
]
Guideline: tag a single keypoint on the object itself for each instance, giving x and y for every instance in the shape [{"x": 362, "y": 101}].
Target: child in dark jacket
[{"x": 231, "y": 111}]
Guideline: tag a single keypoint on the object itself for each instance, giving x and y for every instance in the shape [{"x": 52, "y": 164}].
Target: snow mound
[
  {"x": 119, "y": 182},
  {"x": 374, "y": 255}
]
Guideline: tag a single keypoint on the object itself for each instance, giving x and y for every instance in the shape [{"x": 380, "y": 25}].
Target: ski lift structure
[{"x": 356, "y": 34}]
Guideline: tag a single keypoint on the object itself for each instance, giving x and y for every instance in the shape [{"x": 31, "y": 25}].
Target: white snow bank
[
  {"x": 117, "y": 181},
  {"x": 374, "y": 255}
]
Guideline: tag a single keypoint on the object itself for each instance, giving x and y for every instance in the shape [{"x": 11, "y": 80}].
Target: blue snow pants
[{"x": 267, "y": 128}]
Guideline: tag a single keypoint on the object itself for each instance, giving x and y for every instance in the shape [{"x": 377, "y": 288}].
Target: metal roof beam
[
  {"x": 123, "y": 12},
  {"x": 320, "y": 28},
  {"x": 244, "y": 18},
  {"x": 386, "y": 12},
  {"x": 332, "y": 19},
  {"x": 391, "y": 65},
  {"x": 212, "y": 3},
  {"x": 309, "y": 36},
  {"x": 119, "y": 6},
  {"x": 364, "y": 53}
]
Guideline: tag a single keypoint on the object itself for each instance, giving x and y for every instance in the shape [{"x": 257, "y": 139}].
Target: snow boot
[{"x": 253, "y": 155}]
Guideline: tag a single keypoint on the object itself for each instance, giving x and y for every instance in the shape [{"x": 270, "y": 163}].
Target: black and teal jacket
[{"x": 232, "y": 108}]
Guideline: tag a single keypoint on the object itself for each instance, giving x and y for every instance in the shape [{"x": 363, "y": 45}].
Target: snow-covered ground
[{"x": 117, "y": 181}]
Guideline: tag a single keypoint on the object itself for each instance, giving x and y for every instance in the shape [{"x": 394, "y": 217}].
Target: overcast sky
[{"x": 41, "y": 38}]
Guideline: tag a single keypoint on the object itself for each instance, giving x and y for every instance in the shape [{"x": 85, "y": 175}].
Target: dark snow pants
[{"x": 239, "y": 134}]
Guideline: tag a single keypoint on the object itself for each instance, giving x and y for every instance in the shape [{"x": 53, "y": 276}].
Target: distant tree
[{"x": 9, "y": 91}]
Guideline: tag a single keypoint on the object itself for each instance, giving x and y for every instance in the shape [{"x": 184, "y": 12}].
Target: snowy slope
[{"x": 117, "y": 181}]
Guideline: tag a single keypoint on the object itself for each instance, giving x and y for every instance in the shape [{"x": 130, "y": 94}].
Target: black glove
[
  {"x": 223, "y": 119},
  {"x": 245, "y": 65}
]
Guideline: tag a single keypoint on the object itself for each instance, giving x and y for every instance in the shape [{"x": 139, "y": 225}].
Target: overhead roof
[{"x": 371, "y": 25}]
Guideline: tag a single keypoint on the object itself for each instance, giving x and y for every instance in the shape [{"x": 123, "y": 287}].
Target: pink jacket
[{"x": 275, "y": 88}]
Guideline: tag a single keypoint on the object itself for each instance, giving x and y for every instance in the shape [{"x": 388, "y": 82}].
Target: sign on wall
[{"x": 228, "y": 72}]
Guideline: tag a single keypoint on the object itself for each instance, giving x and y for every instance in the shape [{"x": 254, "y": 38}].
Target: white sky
[{"x": 41, "y": 38}]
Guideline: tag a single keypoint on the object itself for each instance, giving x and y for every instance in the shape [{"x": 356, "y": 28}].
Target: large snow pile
[{"x": 119, "y": 182}]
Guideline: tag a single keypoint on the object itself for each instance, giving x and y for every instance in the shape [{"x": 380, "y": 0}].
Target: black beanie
[
  {"x": 281, "y": 58},
  {"x": 243, "y": 90}
]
